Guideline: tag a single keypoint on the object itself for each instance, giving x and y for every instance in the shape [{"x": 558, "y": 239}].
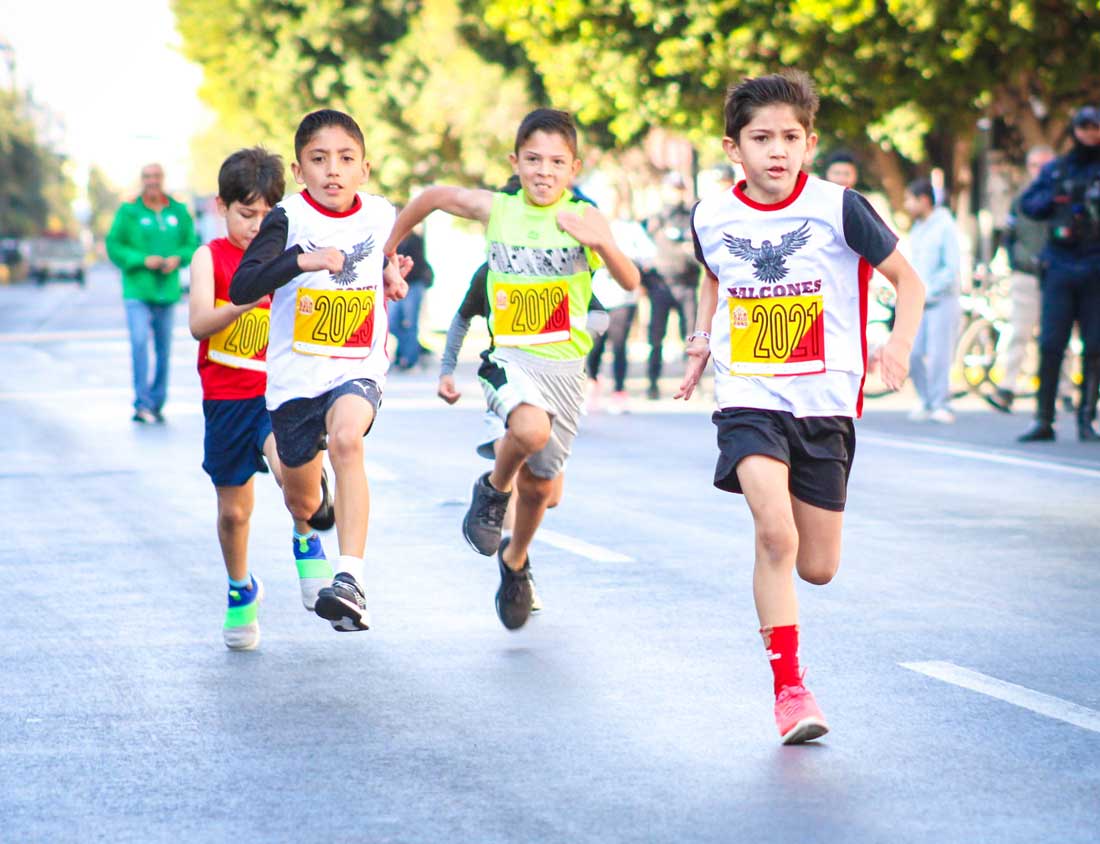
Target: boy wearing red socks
[{"x": 783, "y": 311}]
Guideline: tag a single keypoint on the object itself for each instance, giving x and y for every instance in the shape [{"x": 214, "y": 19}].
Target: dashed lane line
[
  {"x": 580, "y": 547},
  {"x": 974, "y": 454},
  {"x": 1044, "y": 704}
]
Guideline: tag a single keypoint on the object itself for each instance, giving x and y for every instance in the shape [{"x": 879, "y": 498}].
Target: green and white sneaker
[
  {"x": 242, "y": 626},
  {"x": 314, "y": 570}
]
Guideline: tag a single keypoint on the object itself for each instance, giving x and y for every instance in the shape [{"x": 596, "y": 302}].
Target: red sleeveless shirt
[{"x": 233, "y": 362}]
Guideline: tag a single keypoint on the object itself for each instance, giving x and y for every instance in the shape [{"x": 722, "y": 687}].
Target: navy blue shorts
[
  {"x": 299, "y": 424},
  {"x": 817, "y": 449},
  {"x": 233, "y": 448}
]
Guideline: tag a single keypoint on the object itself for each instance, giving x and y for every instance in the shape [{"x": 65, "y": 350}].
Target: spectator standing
[
  {"x": 842, "y": 169},
  {"x": 150, "y": 239},
  {"x": 1067, "y": 194},
  {"x": 934, "y": 253},
  {"x": 675, "y": 283},
  {"x": 1024, "y": 239},
  {"x": 405, "y": 313}
]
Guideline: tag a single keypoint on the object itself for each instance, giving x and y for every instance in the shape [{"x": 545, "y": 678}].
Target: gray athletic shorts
[{"x": 511, "y": 377}]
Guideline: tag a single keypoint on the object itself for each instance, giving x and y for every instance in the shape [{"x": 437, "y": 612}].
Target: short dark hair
[
  {"x": 315, "y": 121},
  {"x": 841, "y": 156},
  {"x": 251, "y": 174},
  {"x": 790, "y": 87},
  {"x": 549, "y": 120},
  {"x": 922, "y": 187}
]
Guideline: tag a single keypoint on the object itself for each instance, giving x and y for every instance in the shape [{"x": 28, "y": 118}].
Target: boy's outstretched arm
[
  {"x": 894, "y": 356},
  {"x": 469, "y": 203},
  {"x": 592, "y": 230},
  {"x": 698, "y": 350}
]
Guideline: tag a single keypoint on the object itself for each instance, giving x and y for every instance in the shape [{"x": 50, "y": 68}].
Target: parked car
[{"x": 56, "y": 257}]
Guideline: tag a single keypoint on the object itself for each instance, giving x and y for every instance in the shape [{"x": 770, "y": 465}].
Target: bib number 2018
[
  {"x": 530, "y": 315},
  {"x": 782, "y": 336}
]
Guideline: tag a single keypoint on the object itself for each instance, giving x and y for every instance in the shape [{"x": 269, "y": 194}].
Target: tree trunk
[{"x": 886, "y": 164}]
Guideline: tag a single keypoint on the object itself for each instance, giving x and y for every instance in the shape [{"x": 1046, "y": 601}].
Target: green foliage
[
  {"x": 897, "y": 66},
  {"x": 413, "y": 74},
  {"x": 34, "y": 191},
  {"x": 103, "y": 202}
]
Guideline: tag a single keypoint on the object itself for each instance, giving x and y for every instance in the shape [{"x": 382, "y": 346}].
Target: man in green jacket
[{"x": 150, "y": 239}]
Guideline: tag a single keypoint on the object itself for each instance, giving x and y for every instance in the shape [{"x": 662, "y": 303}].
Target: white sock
[{"x": 352, "y": 565}]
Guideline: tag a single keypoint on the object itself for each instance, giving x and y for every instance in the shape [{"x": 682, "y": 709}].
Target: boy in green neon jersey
[{"x": 542, "y": 247}]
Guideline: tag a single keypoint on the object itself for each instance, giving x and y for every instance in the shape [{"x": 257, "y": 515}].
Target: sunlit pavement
[{"x": 954, "y": 655}]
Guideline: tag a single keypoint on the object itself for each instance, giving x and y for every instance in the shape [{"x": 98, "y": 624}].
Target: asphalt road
[{"x": 955, "y": 655}]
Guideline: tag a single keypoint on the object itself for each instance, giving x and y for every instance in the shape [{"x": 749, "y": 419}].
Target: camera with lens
[{"x": 1076, "y": 218}]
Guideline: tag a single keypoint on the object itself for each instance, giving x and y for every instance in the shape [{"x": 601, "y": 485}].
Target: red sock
[{"x": 782, "y": 646}]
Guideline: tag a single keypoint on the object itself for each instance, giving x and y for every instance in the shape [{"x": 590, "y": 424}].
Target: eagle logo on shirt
[
  {"x": 768, "y": 261},
  {"x": 347, "y": 275}
]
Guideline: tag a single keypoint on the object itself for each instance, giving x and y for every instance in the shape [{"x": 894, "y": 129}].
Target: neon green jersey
[{"x": 540, "y": 278}]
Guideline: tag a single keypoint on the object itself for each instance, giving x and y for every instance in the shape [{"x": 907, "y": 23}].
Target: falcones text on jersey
[
  {"x": 789, "y": 330},
  {"x": 328, "y": 328}
]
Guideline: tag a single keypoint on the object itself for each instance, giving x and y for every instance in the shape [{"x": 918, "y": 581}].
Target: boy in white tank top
[{"x": 782, "y": 310}]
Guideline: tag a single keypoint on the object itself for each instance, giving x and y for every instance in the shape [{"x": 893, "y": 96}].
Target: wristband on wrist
[{"x": 704, "y": 335}]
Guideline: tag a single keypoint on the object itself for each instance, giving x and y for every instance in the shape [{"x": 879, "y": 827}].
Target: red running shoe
[{"x": 797, "y": 716}]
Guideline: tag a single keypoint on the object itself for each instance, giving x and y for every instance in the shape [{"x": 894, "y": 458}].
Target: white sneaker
[
  {"x": 942, "y": 415},
  {"x": 919, "y": 414}
]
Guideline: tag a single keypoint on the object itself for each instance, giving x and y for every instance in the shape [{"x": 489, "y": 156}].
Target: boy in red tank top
[{"x": 232, "y": 367}]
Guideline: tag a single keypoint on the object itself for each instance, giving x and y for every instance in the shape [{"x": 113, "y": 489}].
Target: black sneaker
[
  {"x": 514, "y": 595},
  {"x": 1040, "y": 432},
  {"x": 325, "y": 517},
  {"x": 653, "y": 393},
  {"x": 343, "y": 604},
  {"x": 144, "y": 416},
  {"x": 485, "y": 518}
]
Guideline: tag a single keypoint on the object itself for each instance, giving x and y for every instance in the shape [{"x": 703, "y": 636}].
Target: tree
[
  {"x": 889, "y": 71},
  {"x": 35, "y": 192},
  {"x": 414, "y": 74},
  {"x": 103, "y": 202}
]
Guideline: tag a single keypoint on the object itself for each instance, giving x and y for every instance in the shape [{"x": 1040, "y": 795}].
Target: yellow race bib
[
  {"x": 529, "y": 314},
  {"x": 243, "y": 343},
  {"x": 334, "y": 323},
  {"x": 780, "y": 336}
]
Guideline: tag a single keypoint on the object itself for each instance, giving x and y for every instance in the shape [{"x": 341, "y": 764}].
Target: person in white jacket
[{"x": 934, "y": 253}]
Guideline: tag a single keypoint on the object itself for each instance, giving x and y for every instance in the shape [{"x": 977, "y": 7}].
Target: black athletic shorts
[
  {"x": 299, "y": 424},
  {"x": 818, "y": 450}
]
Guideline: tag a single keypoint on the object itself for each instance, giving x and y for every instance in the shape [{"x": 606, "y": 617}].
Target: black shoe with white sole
[
  {"x": 513, "y": 599},
  {"x": 343, "y": 604}
]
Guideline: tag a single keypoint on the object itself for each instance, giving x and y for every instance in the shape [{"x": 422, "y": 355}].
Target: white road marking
[
  {"x": 581, "y": 548},
  {"x": 973, "y": 454},
  {"x": 1048, "y": 705},
  {"x": 78, "y": 334},
  {"x": 379, "y": 473}
]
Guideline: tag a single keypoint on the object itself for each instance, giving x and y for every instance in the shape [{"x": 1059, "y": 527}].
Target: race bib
[
  {"x": 334, "y": 323},
  {"x": 530, "y": 314},
  {"x": 780, "y": 336},
  {"x": 243, "y": 343}
]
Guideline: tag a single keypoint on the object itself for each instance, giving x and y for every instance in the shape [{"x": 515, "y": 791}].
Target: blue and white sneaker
[
  {"x": 242, "y": 625},
  {"x": 314, "y": 570}
]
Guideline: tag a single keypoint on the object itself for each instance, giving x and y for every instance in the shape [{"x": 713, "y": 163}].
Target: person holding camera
[{"x": 1067, "y": 195}]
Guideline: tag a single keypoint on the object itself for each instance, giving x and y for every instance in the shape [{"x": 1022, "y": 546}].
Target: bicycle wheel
[
  {"x": 975, "y": 356},
  {"x": 878, "y": 332}
]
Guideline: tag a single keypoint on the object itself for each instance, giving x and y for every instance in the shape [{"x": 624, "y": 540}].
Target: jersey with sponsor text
[
  {"x": 232, "y": 363},
  {"x": 789, "y": 331},
  {"x": 329, "y": 328}
]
